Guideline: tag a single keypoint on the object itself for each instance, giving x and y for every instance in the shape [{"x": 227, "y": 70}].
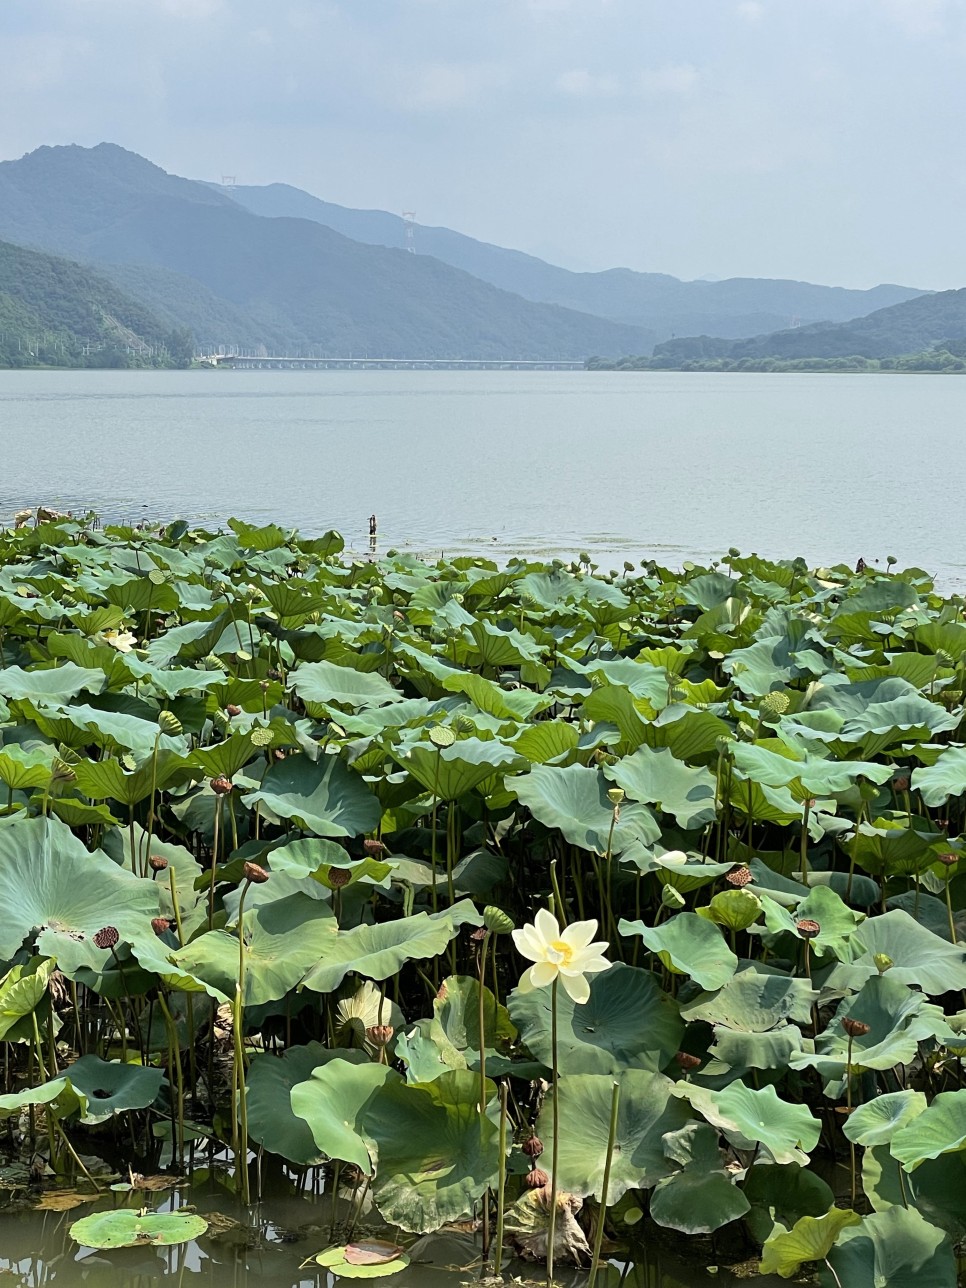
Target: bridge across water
[{"x": 294, "y": 362}]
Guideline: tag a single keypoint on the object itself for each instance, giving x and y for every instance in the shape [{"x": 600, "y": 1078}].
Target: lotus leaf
[
  {"x": 701, "y": 1197},
  {"x": 334, "y": 1101},
  {"x": 656, "y": 777},
  {"x": 782, "y": 1193},
  {"x": 938, "y": 1129},
  {"x": 917, "y": 955},
  {"x": 111, "y": 1088},
  {"x": 893, "y": 1249},
  {"x": 324, "y": 796},
  {"x": 271, "y": 1080},
  {"x": 126, "y": 1228},
  {"x": 689, "y": 945},
  {"x": 811, "y": 1238},
  {"x": 367, "y": 1259},
  {"x": 876, "y": 1122},
  {"x": 751, "y": 1117}
]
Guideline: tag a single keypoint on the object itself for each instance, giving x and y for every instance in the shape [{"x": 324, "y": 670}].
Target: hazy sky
[{"x": 818, "y": 139}]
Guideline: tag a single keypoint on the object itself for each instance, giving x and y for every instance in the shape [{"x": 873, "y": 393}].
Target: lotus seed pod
[
  {"x": 255, "y": 873},
  {"x": 615, "y": 795},
  {"x": 900, "y": 783},
  {"x": 773, "y": 705},
  {"x": 672, "y": 898},
  {"x": 733, "y": 552},
  {"x": 169, "y": 723},
  {"x": 740, "y": 876},
  {"x": 463, "y": 724},
  {"x": 532, "y": 1147},
  {"x": 221, "y": 785},
  {"x": 233, "y": 709},
  {"x": 891, "y": 560},
  {"x": 373, "y": 847},
  {"x": 945, "y": 659},
  {"x": 722, "y": 745},
  {"x": 883, "y": 962},
  {"x": 855, "y": 1028},
  {"x": 441, "y": 737},
  {"x": 339, "y": 878},
  {"x": 497, "y": 921},
  {"x": 380, "y": 1035},
  {"x": 949, "y": 860},
  {"x": 536, "y": 1179},
  {"x": 686, "y": 1060},
  {"x": 808, "y": 929},
  {"x": 106, "y": 937},
  {"x": 156, "y": 863},
  {"x": 261, "y": 737},
  {"x": 584, "y": 557},
  {"x": 160, "y": 925}
]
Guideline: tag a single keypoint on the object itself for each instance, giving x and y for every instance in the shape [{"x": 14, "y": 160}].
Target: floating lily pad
[{"x": 126, "y": 1228}]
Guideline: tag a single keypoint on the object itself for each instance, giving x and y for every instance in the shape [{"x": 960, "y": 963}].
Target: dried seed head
[
  {"x": 536, "y": 1179},
  {"x": 686, "y": 1060},
  {"x": 107, "y": 937},
  {"x": 949, "y": 859},
  {"x": 900, "y": 783},
  {"x": 156, "y": 863},
  {"x": 532, "y": 1147},
  {"x": 255, "y": 873},
  {"x": 373, "y": 847},
  {"x": 380, "y": 1035},
  {"x": 339, "y": 877},
  {"x": 221, "y": 785},
  {"x": 233, "y": 709},
  {"x": 160, "y": 925},
  {"x": 740, "y": 876},
  {"x": 855, "y": 1028},
  {"x": 808, "y": 929}
]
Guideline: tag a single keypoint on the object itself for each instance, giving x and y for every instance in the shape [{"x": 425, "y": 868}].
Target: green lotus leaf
[
  {"x": 106, "y": 780},
  {"x": 683, "y": 872},
  {"x": 771, "y": 763},
  {"x": 323, "y": 683},
  {"x": 918, "y": 956},
  {"x": 733, "y": 909},
  {"x": 323, "y": 796},
  {"x": 57, "y": 685},
  {"x": 378, "y": 951},
  {"x": 505, "y": 704},
  {"x": 627, "y": 1023},
  {"x": 315, "y": 857},
  {"x": 701, "y": 1197},
  {"x": 127, "y": 1228},
  {"x": 936, "y": 1189},
  {"x": 646, "y": 1112},
  {"x": 783, "y": 1193},
  {"x": 686, "y": 733},
  {"x": 892, "y": 1249},
  {"x": 574, "y": 800},
  {"x": 754, "y": 1002},
  {"x": 939, "y": 1129},
  {"x": 22, "y": 990},
  {"x": 947, "y": 777},
  {"x": 889, "y": 848},
  {"x": 471, "y": 764},
  {"x": 227, "y": 758},
  {"x": 878, "y": 713},
  {"x": 49, "y": 880},
  {"x": 489, "y": 645},
  {"x": 838, "y": 923},
  {"x": 364, "y": 1259},
  {"x": 456, "y": 1016},
  {"x": 334, "y": 1101},
  {"x": 750, "y": 1117},
  {"x": 655, "y": 777},
  {"x": 771, "y": 1050},
  {"x": 111, "y": 1088},
  {"x": 876, "y": 1122},
  {"x": 811, "y": 1238},
  {"x": 116, "y": 729},
  {"x": 58, "y": 1096},
  {"x": 271, "y": 1119},
  {"x": 22, "y": 768},
  {"x": 283, "y": 939},
  {"x": 689, "y": 945},
  {"x": 545, "y": 741}
]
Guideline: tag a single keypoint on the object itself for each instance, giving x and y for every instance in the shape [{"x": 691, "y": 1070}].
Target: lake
[{"x": 663, "y": 465}]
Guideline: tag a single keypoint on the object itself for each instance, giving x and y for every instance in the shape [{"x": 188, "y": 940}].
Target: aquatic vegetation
[{"x": 564, "y": 904}]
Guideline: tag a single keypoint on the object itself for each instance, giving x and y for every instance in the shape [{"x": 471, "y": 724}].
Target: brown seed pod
[
  {"x": 536, "y": 1179},
  {"x": 808, "y": 929},
  {"x": 949, "y": 860},
  {"x": 380, "y": 1035},
  {"x": 686, "y": 1060},
  {"x": 532, "y": 1147},
  {"x": 106, "y": 937},
  {"x": 233, "y": 710},
  {"x": 221, "y": 785},
  {"x": 739, "y": 877},
  {"x": 156, "y": 863},
  {"x": 373, "y": 848},
  {"x": 339, "y": 877},
  {"x": 855, "y": 1028},
  {"x": 160, "y": 925},
  {"x": 255, "y": 873}
]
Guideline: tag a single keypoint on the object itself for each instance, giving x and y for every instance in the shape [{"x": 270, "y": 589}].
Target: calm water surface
[{"x": 635, "y": 465}]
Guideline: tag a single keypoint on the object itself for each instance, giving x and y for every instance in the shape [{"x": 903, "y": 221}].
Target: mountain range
[{"x": 274, "y": 268}]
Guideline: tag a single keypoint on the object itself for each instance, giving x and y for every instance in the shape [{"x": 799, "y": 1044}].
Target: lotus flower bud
[
  {"x": 672, "y": 898},
  {"x": 532, "y": 1147},
  {"x": 169, "y": 723},
  {"x": 255, "y": 873},
  {"x": 156, "y": 863},
  {"x": 380, "y": 1035},
  {"x": 373, "y": 847},
  {"x": 107, "y": 937},
  {"x": 740, "y": 876},
  {"x": 441, "y": 737},
  {"x": 339, "y": 877},
  {"x": 883, "y": 962},
  {"x": 891, "y": 560},
  {"x": 685, "y": 1060},
  {"x": 855, "y": 1028},
  {"x": 900, "y": 783},
  {"x": 773, "y": 705},
  {"x": 160, "y": 925},
  {"x": 536, "y": 1179},
  {"x": 808, "y": 929},
  {"x": 233, "y": 709},
  {"x": 221, "y": 785},
  {"x": 496, "y": 920}
]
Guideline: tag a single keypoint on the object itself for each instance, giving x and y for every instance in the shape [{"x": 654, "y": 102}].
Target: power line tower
[
  {"x": 228, "y": 183},
  {"x": 409, "y": 222}
]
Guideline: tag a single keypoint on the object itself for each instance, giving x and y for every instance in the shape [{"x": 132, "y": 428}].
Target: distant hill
[
  {"x": 911, "y": 327},
  {"x": 58, "y": 313},
  {"x": 197, "y": 256},
  {"x": 663, "y": 304}
]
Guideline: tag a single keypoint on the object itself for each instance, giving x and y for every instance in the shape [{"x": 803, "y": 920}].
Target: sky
[{"x": 813, "y": 139}]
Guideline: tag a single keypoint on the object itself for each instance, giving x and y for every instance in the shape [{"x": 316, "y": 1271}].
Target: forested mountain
[
  {"x": 200, "y": 257},
  {"x": 911, "y": 327},
  {"x": 663, "y": 304},
  {"x": 56, "y": 312}
]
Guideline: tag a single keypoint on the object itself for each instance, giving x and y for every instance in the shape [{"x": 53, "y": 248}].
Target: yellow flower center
[{"x": 560, "y": 952}]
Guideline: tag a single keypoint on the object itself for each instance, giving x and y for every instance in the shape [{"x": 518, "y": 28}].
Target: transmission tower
[
  {"x": 228, "y": 183},
  {"x": 409, "y": 219}
]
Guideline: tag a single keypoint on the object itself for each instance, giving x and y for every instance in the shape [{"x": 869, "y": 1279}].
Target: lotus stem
[
  {"x": 481, "y": 1019},
  {"x": 555, "y": 1147},
  {"x": 174, "y": 1046},
  {"x": 219, "y": 800},
  {"x": 173, "y": 886},
  {"x": 241, "y": 1161},
  {"x": 501, "y": 1191},
  {"x": 602, "y": 1213},
  {"x": 804, "y": 849}
]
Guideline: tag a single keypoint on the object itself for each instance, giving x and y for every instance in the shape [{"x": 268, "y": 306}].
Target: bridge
[{"x": 254, "y": 361}]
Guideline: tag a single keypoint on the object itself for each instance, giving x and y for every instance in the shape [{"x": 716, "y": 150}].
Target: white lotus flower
[
  {"x": 568, "y": 953},
  {"x": 123, "y": 641}
]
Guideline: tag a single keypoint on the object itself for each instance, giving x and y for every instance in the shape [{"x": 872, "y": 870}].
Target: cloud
[
  {"x": 751, "y": 10},
  {"x": 673, "y": 78},
  {"x": 580, "y": 83}
]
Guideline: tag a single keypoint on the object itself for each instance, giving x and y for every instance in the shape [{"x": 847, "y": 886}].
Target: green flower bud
[
  {"x": 672, "y": 898},
  {"x": 169, "y": 723},
  {"x": 883, "y": 962},
  {"x": 497, "y": 921}
]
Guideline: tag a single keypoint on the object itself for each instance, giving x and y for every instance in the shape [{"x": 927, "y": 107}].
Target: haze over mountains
[{"x": 279, "y": 269}]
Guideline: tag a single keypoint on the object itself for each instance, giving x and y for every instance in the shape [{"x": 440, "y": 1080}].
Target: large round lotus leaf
[
  {"x": 646, "y": 1112},
  {"x": 772, "y": 763},
  {"x": 627, "y": 1023},
  {"x": 689, "y": 945},
  {"x": 456, "y": 1015},
  {"x": 899, "y": 1018},
  {"x": 315, "y": 857},
  {"x": 892, "y": 1249},
  {"x": 436, "y": 1153},
  {"x": 701, "y": 1197},
  {"x": 889, "y": 848},
  {"x": 59, "y": 684},
  {"x": 876, "y": 1122},
  {"x": 49, "y": 879},
  {"x": 937, "y": 1188},
  {"x": 891, "y": 710},
  {"x": 112, "y": 1088},
  {"x": 126, "y": 1228},
  {"x": 271, "y": 1120},
  {"x": 837, "y": 921},
  {"x": 754, "y": 1002},
  {"x": 771, "y": 1050},
  {"x": 322, "y": 796},
  {"x": 947, "y": 777},
  {"x": 452, "y": 772},
  {"x": 574, "y": 800},
  {"x": 918, "y": 956},
  {"x": 22, "y": 990},
  {"x": 749, "y": 1117},
  {"x": 59, "y": 1096},
  {"x": 283, "y": 939},
  {"x": 378, "y": 951},
  {"x": 655, "y": 777},
  {"x": 112, "y": 729},
  {"x": 512, "y": 704},
  {"x": 334, "y": 1101},
  {"x": 22, "y": 768},
  {"x": 809, "y": 1239},
  {"x": 323, "y": 683},
  {"x": 784, "y": 1193},
  {"x": 364, "y": 1259},
  {"x": 940, "y": 1129}
]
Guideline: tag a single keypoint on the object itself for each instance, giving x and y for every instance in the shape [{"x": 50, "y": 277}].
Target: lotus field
[{"x": 573, "y": 909}]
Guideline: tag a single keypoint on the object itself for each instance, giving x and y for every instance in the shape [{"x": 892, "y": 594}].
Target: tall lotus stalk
[
  {"x": 605, "y": 1183},
  {"x": 254, "y": 875},
  {"x": 854, "y": 1029},
  {"x": 568, "y": 955}
]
